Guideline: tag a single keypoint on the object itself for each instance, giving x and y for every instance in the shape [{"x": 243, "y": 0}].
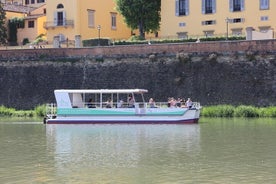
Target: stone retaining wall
[{"x": 212, "y": 73}]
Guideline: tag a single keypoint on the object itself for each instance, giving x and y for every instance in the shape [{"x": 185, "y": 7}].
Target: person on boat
[
  {"x": 189, "y": 103},
  {"x": 90, "y": 103},
  {"x": 109, "y": 103},
  {"x": 172, "y": 102},
  {"x": 179, "y": 102},
  {"x": 120, "y": 104},
  {"x": 131, "y": 101},
  {"x": 151, "y": 103}
]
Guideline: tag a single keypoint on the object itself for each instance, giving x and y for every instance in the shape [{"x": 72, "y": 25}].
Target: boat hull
[
  {"x": 83, "y": 121},
  {"x": 181, "y": 116}
]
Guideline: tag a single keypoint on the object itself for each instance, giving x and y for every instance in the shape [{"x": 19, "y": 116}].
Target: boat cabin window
[{"x": 102, "y": 100}]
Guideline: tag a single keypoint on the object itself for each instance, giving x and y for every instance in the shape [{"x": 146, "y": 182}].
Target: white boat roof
[{"x": 101, "y": 91}]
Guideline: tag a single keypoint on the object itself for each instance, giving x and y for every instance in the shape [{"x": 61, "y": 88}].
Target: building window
[
  {"x": 209, "y": 33},
  {"x": 182, "y": 24},
  {"x": 236, "y": 5},
  {"x": 264, "y": 29},
  {"x": 208, "y": 22},
  {"x": 236, "y": 31},
  {"x": 264, "y": 4},
  {"x": 113, "y": 21},
  {"x": 40, "y": 1},
  {"x": 32, "y": 1},
  {"x": 91, "y": 22},
  {"x": 264, "y": 18},
  {"x": 208, "y": 6},
  {"x": 27, "y": 2},
  {"x": 182, "y": 35},
  {"x": 31, "y": 24},
  {"x": 60, "y": 6},
  {"x": 181, "y": 7}
]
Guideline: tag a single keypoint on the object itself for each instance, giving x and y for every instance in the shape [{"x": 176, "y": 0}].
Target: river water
[{"x": 214, "y": 151}]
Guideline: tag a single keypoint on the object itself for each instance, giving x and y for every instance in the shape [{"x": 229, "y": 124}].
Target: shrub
[
  {"x": 218, "y": 111},
  {"x": 25, "y": 41},
  {"x": 4, "y": 111},
  {"x": 95, "y": 42},
  {"x": 267, "y": 112},
  {"x": 40, "y": 110},
  {"x": 246, "y": 111}
]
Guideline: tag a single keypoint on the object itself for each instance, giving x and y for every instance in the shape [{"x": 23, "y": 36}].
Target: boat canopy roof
[{"x": 101, "y": 91}]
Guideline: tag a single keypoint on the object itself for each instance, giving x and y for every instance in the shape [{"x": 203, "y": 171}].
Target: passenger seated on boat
[
  {"x": 108, "y": 103},
  {"x": 131, "y": 101},
  {"x": 90, "y": 103},
  {"x": 120, "y": 104},
  {"x": 151, "y": 103},
  {"x": 189, "y": 103},
  {"x": 171, "y": 102},
  {"x": 179, "y": 102}
]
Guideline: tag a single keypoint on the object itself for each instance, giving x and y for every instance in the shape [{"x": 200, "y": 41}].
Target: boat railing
[
  {"x": 51, "y": 110},
  {"x": 195, "y": 105}
]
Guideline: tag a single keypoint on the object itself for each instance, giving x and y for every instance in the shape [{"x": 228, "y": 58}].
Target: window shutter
[
  {"x": 176, "y": 7},
  {"x": 64, "y": 18},
  {"x": 203, "y": 6},
  {"x": 242, "y": 5},
  {"x": 213, "y": 6},
  {"x": 231, "y": 5},
  {"x": 55, "y": 18},
  {"x": 187, "y": 7}
]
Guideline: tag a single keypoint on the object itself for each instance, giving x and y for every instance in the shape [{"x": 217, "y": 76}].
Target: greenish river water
[{"x": 214, "y": 151}]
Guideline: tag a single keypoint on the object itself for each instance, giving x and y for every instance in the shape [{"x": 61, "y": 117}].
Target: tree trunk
[{"x": 141, "y": 30}]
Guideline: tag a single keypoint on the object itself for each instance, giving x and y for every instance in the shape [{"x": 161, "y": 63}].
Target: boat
[{"x": 110, "y": 106}]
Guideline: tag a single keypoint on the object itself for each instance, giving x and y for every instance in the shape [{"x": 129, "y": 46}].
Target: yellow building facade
[
  {"x": 87, "y": 18},
  {"x": 204, "y": 18},
  {"x": 33, "y": 17}
]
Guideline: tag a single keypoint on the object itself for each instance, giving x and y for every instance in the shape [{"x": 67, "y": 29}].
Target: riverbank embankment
[{"x": 236, "y": 72}]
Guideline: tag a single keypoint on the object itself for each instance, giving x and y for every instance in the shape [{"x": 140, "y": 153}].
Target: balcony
[{"x": 59, "y": 23}]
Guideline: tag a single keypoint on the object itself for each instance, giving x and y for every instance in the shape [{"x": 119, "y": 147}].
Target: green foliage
[
  {"x": 40, "y": 110},
  {"x": 3, "y": 29},
  {"x": 239, "y": 111},
  {"x": 14, "y": 24},
  {"x": 246, "y": 111},
  {"x": 222, "y": 38},
  {"x": 218, "y": 111},
  {"x": 95, "y": 42},
  {"x": 141, "y": 14},
  {"x": 267, "y": 112},
  {"x": 4, "y": 111},
  {"x": 25, "y": 41},
  {"x": 25, "y": 113},
  {"x": 39, "y": 38},
  {"x": 134, "y": 40}
]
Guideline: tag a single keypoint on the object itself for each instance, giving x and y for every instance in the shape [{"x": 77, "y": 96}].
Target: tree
[
  {"x": 3, "y": 29},
  {"x": 141, "y": 14}
]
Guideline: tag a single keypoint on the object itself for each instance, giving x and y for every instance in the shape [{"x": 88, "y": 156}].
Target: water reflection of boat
[
  {"x": 115, "y": 106},
  {"x": 121, "y": 146}
]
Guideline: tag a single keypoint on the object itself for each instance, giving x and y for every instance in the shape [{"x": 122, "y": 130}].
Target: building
[
  {"x": 86, "y": 18},
  {"x": 32, "y": 3},
  {"x": 220, "y": 18},
  {"x": 33, "y": 25},
  {"x": 33, "y": 17}
]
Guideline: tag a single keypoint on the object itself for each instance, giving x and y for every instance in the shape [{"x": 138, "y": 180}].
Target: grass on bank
[
  {"x": 39, "y": 111},
  {"x": 239, "y": 111},
  {"x": 207, "y": 111}
]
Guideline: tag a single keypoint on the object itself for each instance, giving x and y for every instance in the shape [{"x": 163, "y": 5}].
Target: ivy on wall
[{"x": 14, "y": 24}]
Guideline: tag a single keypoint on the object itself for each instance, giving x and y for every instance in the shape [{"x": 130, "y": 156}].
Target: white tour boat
[{"x": 90, "y": 106}]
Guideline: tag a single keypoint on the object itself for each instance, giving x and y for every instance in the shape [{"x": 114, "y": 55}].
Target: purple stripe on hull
[{"x": 188, "y": 121}]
